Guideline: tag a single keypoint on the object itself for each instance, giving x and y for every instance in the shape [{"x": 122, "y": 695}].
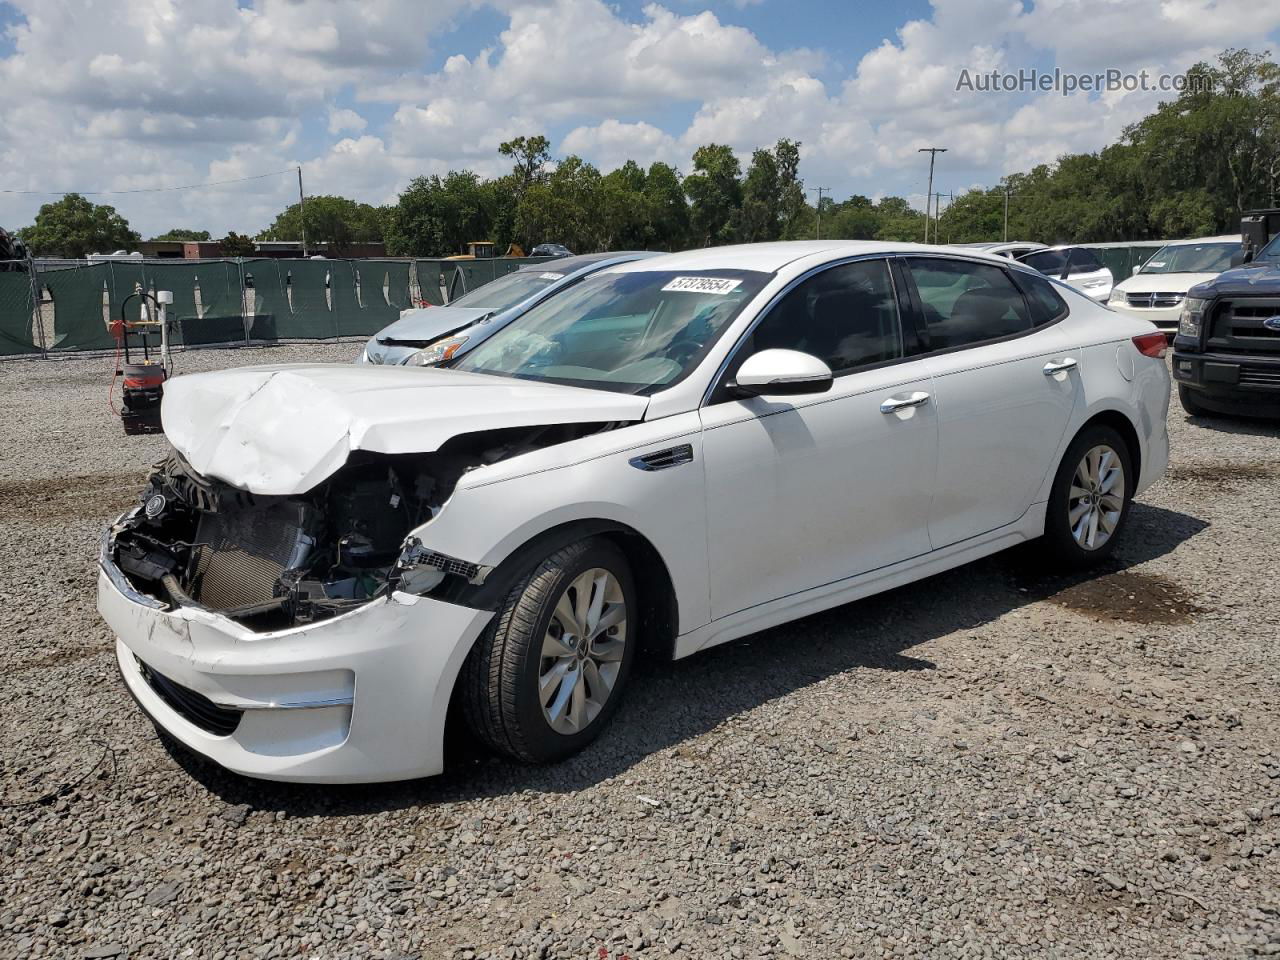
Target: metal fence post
[{"x": 37, "y": 304}]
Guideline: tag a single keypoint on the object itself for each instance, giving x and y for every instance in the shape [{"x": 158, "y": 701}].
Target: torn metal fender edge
[
  {"x": 114, "y": 574},
  {"x": 414, "y": 554}
]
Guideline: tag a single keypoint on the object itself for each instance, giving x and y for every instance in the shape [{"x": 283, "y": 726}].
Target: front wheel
[
  {"x": 549, "y": 671},
  {"x": 1190, "y": 405},
  {"x": 1089, "y": 501}
]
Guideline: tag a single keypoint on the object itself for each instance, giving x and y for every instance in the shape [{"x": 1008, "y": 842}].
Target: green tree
[
  {"x": 437, "y": 216},
  {"x": 183, "y": 234},
  {"x": 75, "y": 227},
  {"x": 715, "y": 194},
  {"x": 566, "y": 207},
  {"x": 854, "y": 219},
  {"x": 667, "y": 208},
  {"x": 530, "y": 155},
  {"x": 794, "y": 212},
  {"x": 337, "y": 221},
  {"x": 624, "y": 209},
  {"x": 237, "y": 245},
  {"x": 898, "y": 221},
  {"x": 760, "y": 216}
]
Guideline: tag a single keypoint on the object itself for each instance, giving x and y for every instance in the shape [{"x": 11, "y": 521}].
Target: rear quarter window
[{"x": 1046, "y": 305}]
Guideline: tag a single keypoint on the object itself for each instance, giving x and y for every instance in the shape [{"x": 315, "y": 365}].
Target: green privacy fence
[
  {"x": 1121, "y": 258},
  {"x": 466, "y": 275},
  {"x": 17, "y": 330},
  {"x": 231, "y": 301}
]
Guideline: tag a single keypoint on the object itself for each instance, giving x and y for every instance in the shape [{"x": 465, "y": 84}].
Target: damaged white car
[{"x": 674, "y": 453}]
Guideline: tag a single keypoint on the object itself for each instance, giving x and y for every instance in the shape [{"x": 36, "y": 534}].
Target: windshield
[
  {"x": 498, "y": 295},
  {"x": 1271, "y": 251},
  {"x": 625, "y": 332},
  {"x": 1192, "y": 258}
]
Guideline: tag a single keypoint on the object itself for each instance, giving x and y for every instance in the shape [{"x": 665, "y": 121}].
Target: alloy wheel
[
  {"x": 582, "y": 651},
  {"x": 1095, "y": 501}
]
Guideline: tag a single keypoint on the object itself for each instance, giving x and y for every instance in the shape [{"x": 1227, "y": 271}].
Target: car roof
[
  {"x": 581, "y": 261},
  {"x": 992, "y": 244},
  {"x": 771, "y": 257},
  {"x": 1223, "y": 238}
]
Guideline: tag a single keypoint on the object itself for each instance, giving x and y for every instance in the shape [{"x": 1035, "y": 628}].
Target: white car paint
[
  {"x": 1157, "y": 297},
  {"x": 790, "y": 505},
  {"x": 283, "y": 429}
]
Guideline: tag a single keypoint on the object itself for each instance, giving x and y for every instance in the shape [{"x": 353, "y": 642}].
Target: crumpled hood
[
  {"x": 279, "y": 430},
  {"x": 431, "y": 323},
  {"x": 1163, "y": 282}
]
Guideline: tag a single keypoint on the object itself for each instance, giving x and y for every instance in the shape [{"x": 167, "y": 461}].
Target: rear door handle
[
  {"x": 916, "y": 399},
  {"x": 1060, "y": 366}
]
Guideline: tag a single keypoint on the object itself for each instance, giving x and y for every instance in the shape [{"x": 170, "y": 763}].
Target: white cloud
[
  {"x": 342, "y": 120},
  {"x": 140, "y": 93}
]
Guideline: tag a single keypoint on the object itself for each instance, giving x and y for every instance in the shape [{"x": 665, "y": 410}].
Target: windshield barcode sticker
[
  {"x": 702, "y": 285},
  {"x": 551, "y": 276}
]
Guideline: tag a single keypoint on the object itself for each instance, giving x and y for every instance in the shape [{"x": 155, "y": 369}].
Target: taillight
[{"x": 1152, "y": 345}]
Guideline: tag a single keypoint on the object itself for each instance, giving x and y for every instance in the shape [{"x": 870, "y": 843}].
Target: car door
[
  {"x": 807, "y": 490},
  {"x": 1088, "y": 274},
  {"x": 1006, "y": 379}
]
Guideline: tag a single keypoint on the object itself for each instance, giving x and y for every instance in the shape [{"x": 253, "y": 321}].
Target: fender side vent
[{"x": 661, "y": 459}]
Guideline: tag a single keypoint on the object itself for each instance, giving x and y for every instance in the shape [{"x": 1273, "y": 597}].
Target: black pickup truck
[{"x": 1226, "y": 355}]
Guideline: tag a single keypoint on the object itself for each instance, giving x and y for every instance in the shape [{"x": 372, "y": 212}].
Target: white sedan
[{"x": 677, "y": 452}]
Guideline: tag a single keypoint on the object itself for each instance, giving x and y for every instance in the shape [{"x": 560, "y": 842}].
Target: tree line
[{"x": 1190, "y": 168}]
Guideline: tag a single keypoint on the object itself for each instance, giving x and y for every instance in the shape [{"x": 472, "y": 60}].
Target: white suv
[{"x": 1156, "y": 290}]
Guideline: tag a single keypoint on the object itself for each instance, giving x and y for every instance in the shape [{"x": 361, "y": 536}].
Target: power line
[{"x": 185, "y": 186}]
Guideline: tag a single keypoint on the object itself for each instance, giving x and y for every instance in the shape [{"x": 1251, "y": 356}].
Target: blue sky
[{"x": 136, "y": 94}]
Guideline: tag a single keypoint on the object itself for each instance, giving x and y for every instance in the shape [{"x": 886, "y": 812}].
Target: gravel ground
[{"x": 985, "y": 764}]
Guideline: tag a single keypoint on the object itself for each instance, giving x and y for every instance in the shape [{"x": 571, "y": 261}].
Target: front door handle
[
  {"x": 1060, "y": 366},
  {"x": 893, "y": 404}
]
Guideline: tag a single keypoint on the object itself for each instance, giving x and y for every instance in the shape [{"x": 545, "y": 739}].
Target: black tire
[
  {"x": 500, "y": 676},
  {"x": 1059, "y": 546},
  {"x": 1190, "y": 404}
]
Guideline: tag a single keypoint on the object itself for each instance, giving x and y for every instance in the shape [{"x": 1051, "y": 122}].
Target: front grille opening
[{"x": 193, "y": 707}]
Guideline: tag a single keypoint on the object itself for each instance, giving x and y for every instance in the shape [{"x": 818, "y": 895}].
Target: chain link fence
[{"x": 50, "y": 307}]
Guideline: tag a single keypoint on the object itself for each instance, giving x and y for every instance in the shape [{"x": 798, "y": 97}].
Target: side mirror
[
  {"x": 1239, "y": 258},
  {"x": 782, "y": 373},
  {"x": 1137, "y": 268}
]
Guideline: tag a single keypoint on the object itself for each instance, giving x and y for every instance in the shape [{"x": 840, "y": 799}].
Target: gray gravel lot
[{"x": 986, "y": 764}]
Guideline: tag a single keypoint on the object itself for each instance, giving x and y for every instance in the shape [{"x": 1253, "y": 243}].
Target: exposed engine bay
[{"x": 271, "y": 562}]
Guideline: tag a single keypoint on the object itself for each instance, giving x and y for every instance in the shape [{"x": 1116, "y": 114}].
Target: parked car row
[{"x": 633, "y": 455}]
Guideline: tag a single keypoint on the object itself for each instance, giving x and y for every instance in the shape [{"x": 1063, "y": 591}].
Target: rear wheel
[
  {"x": 1089, "y": 501},
  {"x": 549, "y": 671}
]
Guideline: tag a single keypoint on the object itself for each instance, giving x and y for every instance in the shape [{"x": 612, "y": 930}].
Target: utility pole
[
  {"x": 302, "y": 212},
  {"x": 817, "y": 233},
  {"x": 1006, "y": 213},
  {"x": 933, "y": 155}
]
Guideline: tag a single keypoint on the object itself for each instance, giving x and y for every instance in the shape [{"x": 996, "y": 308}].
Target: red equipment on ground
[{"x": 143, "y": 383}]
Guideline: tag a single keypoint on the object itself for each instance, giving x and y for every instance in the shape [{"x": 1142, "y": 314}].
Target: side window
[
  {"x": 847, "y": 316},
  {"x": 966, "y": 302},
  {"x": 1083, "y": 261},
  {"x": 1046, "y": 305},
  {"x": 1049, "y": 262}
]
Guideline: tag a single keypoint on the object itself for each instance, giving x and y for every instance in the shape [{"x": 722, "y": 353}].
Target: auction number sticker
[
  {"x": 551, "y": 276},
  {"x": 720, "y": 285}
]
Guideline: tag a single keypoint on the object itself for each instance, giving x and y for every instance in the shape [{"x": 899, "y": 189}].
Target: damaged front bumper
[{"x": 359, "y": 697}]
